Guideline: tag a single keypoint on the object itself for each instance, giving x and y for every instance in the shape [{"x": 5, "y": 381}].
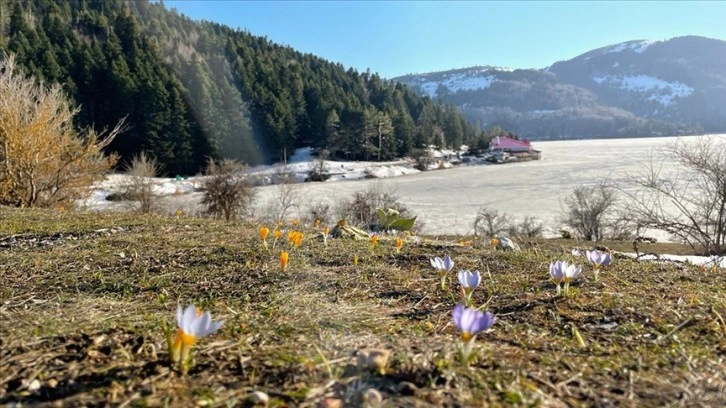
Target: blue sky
[{"x": 397, "y": 38}]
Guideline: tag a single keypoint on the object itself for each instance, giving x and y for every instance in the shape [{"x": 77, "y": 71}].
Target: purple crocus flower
[
  {"x": 561, "y": 271},
  {"x": 442, "y": 265},
  {"x": 471, "y": 321},
  {"x": 599, "y": 259},
  {"x": 556, "y": 272},
  {"x": 469, "y": 280}
]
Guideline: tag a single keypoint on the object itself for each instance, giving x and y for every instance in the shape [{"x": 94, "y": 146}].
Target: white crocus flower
[
  {"x": 558, "y": 276},
  {"x": 598, "y": 260},
  {"x": 192, "y": 325},
  {"x": 442, "y": 266},
  {"x": 561, "y": 271}
]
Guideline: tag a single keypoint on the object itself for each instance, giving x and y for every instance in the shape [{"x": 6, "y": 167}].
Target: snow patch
[
  {"x": 637, "y": 46},
  {"x": 663, "y": 92},
  {"x": 618, "y": 48},
  {"x": 705, "y": 261},
  {"x": 459, "y": 82},
  {"x": 303, "y": 154},
  {"x": 116, "y": 183}
]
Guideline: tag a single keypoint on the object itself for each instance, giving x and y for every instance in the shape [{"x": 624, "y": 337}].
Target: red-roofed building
[
  {"x": 505, "y": 148},
  {"x": 510, "y": 145}
]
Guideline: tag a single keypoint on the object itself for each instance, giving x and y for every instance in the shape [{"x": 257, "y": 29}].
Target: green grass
[{"x": 84, "y": 299}]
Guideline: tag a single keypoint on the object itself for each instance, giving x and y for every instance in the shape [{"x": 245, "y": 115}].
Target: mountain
[
  {"x": 193, "y": 90},
  {"x": 681, "y": 80},
  {"x": 636, "y": 88}
]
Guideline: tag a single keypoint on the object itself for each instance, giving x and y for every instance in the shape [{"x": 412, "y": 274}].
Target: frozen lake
[{"x": 447, "y": 201}]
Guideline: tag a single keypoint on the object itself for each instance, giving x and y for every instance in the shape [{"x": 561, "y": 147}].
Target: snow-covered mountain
[
  {"x": 643, "y": 87},
  {"x": 467, "y": 79}
]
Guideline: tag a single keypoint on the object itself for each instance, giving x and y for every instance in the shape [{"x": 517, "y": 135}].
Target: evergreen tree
[
  {"x": 333, "y": 135},
  {"x": 384, "y": 130},
  {"x": 196, "y": 90}
]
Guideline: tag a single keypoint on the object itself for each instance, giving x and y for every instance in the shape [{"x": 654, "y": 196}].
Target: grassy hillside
[{"x": 85, "y": 298}]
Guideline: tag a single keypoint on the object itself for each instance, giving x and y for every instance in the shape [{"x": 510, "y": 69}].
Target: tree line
[{"x": 194, "y": 90}]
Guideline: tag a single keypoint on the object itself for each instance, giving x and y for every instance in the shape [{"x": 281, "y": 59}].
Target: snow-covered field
[{"x": 446, "y": 201}]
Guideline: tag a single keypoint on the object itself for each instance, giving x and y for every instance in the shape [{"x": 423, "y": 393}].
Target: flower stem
[
  {"x": 185, "y": 361},
  {"x": 466, "y": 351}
]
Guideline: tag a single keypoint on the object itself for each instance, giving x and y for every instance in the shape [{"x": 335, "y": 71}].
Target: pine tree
[
  {"x": 384, "y": 130},
  {"x": 192, "y": 89},
  {"x": 333, "y": 134}
]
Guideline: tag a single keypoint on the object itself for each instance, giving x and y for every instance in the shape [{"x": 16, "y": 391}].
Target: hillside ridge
[{"x": 672, "y": 86}]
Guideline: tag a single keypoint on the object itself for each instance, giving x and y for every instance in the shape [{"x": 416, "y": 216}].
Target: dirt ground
[{"x": 86, "y": 299}]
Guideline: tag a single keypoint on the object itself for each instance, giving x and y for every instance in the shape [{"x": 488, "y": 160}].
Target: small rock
[
  {"x": 371, "y": 397},
  {"x": 373, "y": 360},
  {"x": 34, "y": 385},
  {"x": 99, "y": 339},
  {"x": 504, "y": 244},
  {"x": 330, "y": 402},
  {"x": 259, "y": 398}
]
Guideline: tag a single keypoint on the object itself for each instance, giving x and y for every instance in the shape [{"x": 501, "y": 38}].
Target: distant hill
[
  {"x": 636, "y": 88},
  {"x": 194, "y": 90}
]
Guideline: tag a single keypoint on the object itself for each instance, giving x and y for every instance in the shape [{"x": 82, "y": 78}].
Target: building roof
[{"x": 505, "y": 143}]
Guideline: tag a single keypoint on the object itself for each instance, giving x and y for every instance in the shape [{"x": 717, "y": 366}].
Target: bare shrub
[
  {"x": 226, "y": 194},
  {"x": 623, "y": 225},
  {"x": 529, "y": 227},
  {"x": 318, "y": 211},
  {"x": 587, "y": 210},
  {"x": 489, "y": 222},
  {"x": 319, "y": 172},
  {"x": 423, "y": 159},
  {"x": 690, "y": 201},
  {"x": 44, "y": 160},
  {"x": 360, "y": 210},
  {"x": 141, "y": 173},
  {"x": 286, "y": 201}
]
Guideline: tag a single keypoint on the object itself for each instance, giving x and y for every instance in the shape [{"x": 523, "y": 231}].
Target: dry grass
[{"x": 85, "y": 297}]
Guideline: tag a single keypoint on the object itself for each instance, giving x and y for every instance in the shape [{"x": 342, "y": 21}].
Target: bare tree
[
  {"x": 689, "y": 202},
  {"x": 226, "y": 193},
  {"x": 489, "y": 223},
  {"x": 529, "y": 227},
  {"x": 287, "y": 200},
  {"x": 141, "y": 172},
  {"x": 319, "y": 212},
  {"x": 44, "y": 160},
  {"x": 319, "y": 172},
  {"x": 587, "y": 210}
]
